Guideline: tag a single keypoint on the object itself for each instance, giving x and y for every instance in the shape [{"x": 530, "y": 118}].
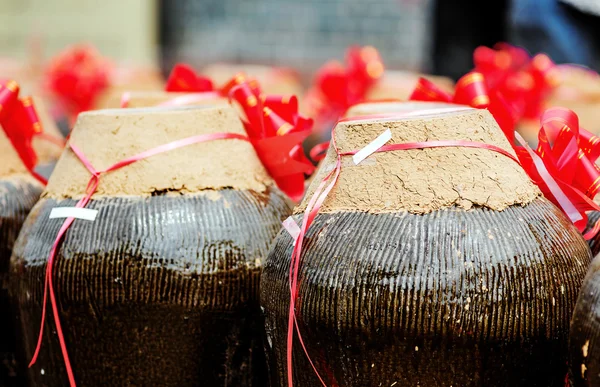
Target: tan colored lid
[
  {"x": 424, "y": 180},
  {"x": 400, "y": 84},
  {"x": 139, "y": 99},
  {"x": 109, "y": 136},
  {"x": 368, "y": 108},
  {"x": 272, "y": 80}
]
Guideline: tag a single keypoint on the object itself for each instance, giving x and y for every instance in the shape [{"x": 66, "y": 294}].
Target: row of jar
[{"x": 420, "y": 266}]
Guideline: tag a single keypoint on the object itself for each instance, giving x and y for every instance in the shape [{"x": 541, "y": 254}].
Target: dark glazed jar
[
  {"x": 162, "y": 288},
  {"x": 584, "y": 343},
  {"x": 19, "y": 191},
  {"x": 428, "y": 267}
]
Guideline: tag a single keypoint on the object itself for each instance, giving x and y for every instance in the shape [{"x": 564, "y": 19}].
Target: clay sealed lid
[
  {"x": 400, "y": 84},
  {"x": 109, "y": 136},
  {"x": 137, "y": 99},
  {"x": 375, "y": 107},
  {"x": 424, "y": 180}
]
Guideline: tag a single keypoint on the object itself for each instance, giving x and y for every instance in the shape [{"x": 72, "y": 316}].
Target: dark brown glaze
[
  {"x": 594, "y": 243},
  {"x": 584, "y": 343},
  {"x": 159, "y": 291},
  {"x": 17, "y": 197},
  {"x": 450, "y": 298}
]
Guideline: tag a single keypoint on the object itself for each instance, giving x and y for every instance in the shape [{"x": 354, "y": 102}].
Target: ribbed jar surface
[
  {"x": 157, "y": 291},
  {"x": 17, "y": 196},
  {"x": 449, "y": 298}
]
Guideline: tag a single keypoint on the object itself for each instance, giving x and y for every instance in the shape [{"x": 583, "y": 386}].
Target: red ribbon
[
  {"x": 337, "y": 87},
  {"x": 276, "y": 130},
  {"x": 183, "y": 78},
  {"x": 90, "y": 189},
  {"x": 77, "y": 76},
  {"x": 524, "y": 81},
  {"x": 505, "y": 81},
  {"x": 20, "y": 122},
  {"x": 562, "y": 166}
]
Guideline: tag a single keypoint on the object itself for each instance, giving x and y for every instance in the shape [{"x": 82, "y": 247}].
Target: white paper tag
[
  {"x": 372, "y": 146},
  {"x": 73, "y": 212},
  {"x": 291, "y": 227}
]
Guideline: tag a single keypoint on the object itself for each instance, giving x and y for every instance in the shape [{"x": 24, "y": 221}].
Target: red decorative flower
[{"x": 277, "y": 131}]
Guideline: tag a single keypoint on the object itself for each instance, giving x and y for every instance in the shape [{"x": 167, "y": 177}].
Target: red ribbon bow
[
  {"x": 563, "y": 166},
  {"x": 471, "y": 90},
  {"x": 20, "y": 122},
  {"x": 183, "y": 78},
  {"x": 524, "y": 81},
  {"x": 77, "y": 76},
  {"x": 337, "y": 87},
  {"x": 276, "y": 131}
]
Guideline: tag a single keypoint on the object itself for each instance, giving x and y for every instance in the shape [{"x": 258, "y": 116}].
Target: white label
[
  {"x": 73, "y": 212},
  {"x": 291, "y": 227},
  {"x": 372, "y": 147}
]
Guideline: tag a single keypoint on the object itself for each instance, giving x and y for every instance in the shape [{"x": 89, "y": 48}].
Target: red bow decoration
[
  {"x": 337, "y": 87},
  {"x": 183, "y": 78},
  {"x": 77, "y": 76},
  {"x": 276, "y": 131},
  {"x": 471, "y": 90},
  {"x": 20, "y": 122},
  {"x": 563, "y": 166},
  {"x": 511, "y": 72}
]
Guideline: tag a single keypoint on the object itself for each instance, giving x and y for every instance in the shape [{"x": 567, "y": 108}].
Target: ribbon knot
[{"x": 276, "y": 131}]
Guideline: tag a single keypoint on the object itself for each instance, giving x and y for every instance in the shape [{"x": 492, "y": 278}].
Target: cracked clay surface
[
  {"x": 424, "y": 180},
  {"x": 109, "y": 136}
]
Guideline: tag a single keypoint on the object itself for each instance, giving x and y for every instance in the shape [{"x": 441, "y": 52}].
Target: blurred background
[
  {"x": 143, "y": 39},
  {"x": 420, "y": 35}
]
